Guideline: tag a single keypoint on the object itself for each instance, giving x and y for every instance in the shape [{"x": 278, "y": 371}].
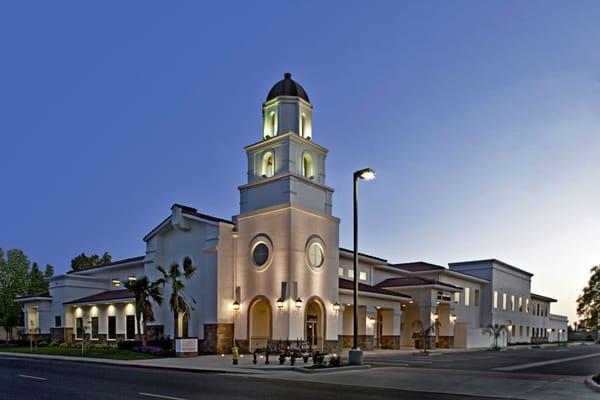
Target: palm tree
[
  {"x": 495, "y": 331},
  {"x": 178, "y": 303},
  {"x": 145, "y": 293},
  {"x": 424, "y": 332}
]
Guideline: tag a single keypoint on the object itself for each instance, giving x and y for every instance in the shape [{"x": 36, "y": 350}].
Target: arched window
[
  {"x": 272, "y": 122},
  {"x": 268, "y": 164},
  {"x": 302, "y": 124},
  {"x": 307, "y": 165}
]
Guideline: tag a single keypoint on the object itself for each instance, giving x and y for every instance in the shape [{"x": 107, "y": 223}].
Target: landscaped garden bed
[{"x": 91, "y": 351}]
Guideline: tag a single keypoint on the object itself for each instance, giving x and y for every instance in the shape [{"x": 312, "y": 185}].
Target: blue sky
[{"x": 481, "y": 118}]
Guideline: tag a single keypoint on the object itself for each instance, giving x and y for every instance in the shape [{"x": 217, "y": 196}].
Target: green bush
[
  {"x": 42, "y": 343},
  {"x": 63, "y": 345},
  {"x": 54, "y": 343}
]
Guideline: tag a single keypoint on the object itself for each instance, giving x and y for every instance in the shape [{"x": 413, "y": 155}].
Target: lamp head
[{"x": 366, "y": 174}]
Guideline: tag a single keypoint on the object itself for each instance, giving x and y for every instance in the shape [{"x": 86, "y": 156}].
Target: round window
[
  {"x": 260, "y": 254},
  {"x": 315, "y": 255}
]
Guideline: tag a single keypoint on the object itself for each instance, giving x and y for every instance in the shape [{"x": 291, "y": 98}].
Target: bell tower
[
  {"x": 286, "y": 166},
  {"x": 287, "y": 109},
  {"x": 287, "y": 241}
]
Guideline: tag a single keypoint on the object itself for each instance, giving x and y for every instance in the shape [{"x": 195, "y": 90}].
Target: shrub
[
  {"x": 162, "y": 342},
  {"x": 54, "y": 343},
  {"x": 335, "y": 361},
  {"x": 154, "y": 350},
  {"x": 127, "y": 344},
  {"x": 63, "y": 345},
  {"x": 42, "y": 343}
]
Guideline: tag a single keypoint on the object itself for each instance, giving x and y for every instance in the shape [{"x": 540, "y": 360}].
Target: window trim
[
  {"x": 108, "y": 317},
  {"x": 92, "y": 328},
  {"x": 312, "y": 240},
  {"x": 258, "y": 239},
  {"x": 134, "y": 326}
]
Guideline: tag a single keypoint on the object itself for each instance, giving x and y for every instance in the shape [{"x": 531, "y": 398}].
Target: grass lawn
[{"x": 112, "y": 354}]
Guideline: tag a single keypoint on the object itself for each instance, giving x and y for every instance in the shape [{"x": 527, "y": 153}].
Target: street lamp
[{"x": 355, "y": 354}]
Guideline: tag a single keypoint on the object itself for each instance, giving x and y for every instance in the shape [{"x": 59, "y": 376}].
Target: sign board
[{"x": 188, "y": 345}]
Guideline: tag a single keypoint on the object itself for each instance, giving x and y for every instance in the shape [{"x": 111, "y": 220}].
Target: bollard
[
  {"x": 267, "y": 357},
  {"x": 235, "y": 353},
  {"x": 254, "y": 357}
]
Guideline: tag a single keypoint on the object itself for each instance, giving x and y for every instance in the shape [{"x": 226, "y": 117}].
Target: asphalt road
[
  {"x": 25, "y": 379},
  {"x": 491, "y": 360}
]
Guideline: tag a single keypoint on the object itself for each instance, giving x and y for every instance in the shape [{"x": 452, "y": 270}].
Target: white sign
[{"x": 186, "y": 345}]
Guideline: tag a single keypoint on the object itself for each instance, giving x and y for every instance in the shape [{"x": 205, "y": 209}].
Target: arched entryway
[
  {"x": 314, "y": 323},
  {"x": 260, "y": 321}
]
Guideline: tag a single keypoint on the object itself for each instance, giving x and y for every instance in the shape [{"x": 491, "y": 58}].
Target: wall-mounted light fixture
[
  {"x": 453, "y": 317},
  {"x": 280, "y": 303},
  {"x": 236, "y": 306},
  {"x": 336, "y": 306},
  {"x": 435, "y": 316},
  {"x": 298, "y": 302}
]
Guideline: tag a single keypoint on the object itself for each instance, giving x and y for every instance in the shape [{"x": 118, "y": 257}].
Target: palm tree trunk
[
  {"x": 176, "y": 325},
  {"x": 144, "y": 333}
]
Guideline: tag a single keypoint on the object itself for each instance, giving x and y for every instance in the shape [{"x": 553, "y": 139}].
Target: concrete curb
[
  {"x": 589, "y": 381},
  {"x": 122, "y": 363},
  {"x": 237, "y": 370}
]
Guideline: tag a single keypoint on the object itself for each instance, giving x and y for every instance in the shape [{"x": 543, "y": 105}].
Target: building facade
[{"x": 276, "y": 272}]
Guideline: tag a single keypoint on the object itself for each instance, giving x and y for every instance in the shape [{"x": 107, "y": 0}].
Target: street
[
  {"x": 584, "y": 362},
  {"x": 25, "y": 379},
  {"x": 548, "y": 373}
]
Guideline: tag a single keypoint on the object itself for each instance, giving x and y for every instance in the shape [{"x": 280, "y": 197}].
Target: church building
[{"x": 276, "y": 272}]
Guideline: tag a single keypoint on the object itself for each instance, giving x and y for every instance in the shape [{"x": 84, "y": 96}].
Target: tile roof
[
  {"x": 114, "y": 263},
  {"x": 108, "y": 295},
  {"x": 418, "y": 266},
  {"x": 412, "y": 281},
  {"x": 36, "y": 294},
  {"x": 363, "y": 254},
  {"x": 192, "y": 211},
  {"x": 346, "y": 284}
]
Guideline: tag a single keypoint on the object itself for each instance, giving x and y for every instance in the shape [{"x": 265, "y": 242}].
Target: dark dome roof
[{"x": 287, "y": 87}]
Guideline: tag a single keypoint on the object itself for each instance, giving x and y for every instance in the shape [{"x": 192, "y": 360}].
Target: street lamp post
[{"x": 355, "y": 355}]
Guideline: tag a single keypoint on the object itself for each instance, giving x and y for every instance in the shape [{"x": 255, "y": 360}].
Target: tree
[
  {"x": 49, "y": 271},
  {"x": 177, "y": 302},
  {"x": 37, "y": 283},
  {"x": 83, "y": 262},
  {"x": 424, "y": 332},
  {"x": 588, "y": 302},
  {"x": 145, "y": 293},
  {"x": 14, "y": 282},
  {"x": 496, "y": 332}
]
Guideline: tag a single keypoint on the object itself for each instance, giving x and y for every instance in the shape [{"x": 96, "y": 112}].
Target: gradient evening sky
[{"x": 482, "y": 120}]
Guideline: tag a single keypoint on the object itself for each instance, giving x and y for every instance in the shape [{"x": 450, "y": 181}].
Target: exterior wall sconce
[
  {"x": 336, "y": 306},
  {"x": 298, "y": 302},
  {"x": 453, "y": 317},
  {"x": 435, "y": 316},
  {"x": 280, "y": 303},
  {"x": 372, "y": 320},
  {"x": 410, "y": 302},
  {"x": 236, "y": 306}
]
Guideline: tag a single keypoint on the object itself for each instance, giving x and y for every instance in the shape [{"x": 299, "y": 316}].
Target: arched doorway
[
  {"x": 259, "y": 323},
  {"x": 314, "y": 323}
]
